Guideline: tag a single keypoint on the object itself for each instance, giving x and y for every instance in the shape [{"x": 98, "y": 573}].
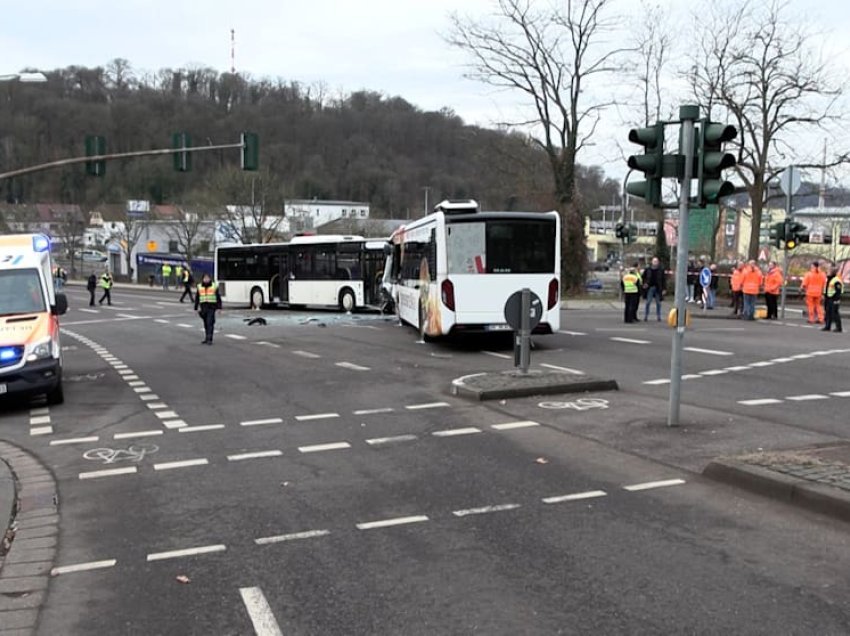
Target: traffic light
[
  {"x": 250, "y": 151},
  {"x": 631, "y": 233},
  {"x": 650, "y": 163},
  {"x": 795, "y": 233},
  {"x": 620, "y": 231},
  {"x": 711, "y": 161},
  {"x": 777, "y": 234},
  {"x": 182, "y": 160},
  {"x": 95, "y": 146}
]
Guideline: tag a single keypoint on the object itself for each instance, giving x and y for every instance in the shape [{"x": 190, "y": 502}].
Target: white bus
[
  {"x": 344, "y": 272},
  {"x": 453, "y": 270}
]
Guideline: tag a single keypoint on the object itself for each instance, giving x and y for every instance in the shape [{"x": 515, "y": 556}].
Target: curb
[
  {"x": 463, "y": 389},
  {"x": 33, "y": 529},
  {"x": 812, "y": 496}
]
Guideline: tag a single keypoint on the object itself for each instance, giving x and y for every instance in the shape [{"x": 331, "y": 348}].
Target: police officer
[
  {"x": 187, "y": 285},
  {"x": 106, "y": 285},
  {"x": 207, "y": 301},
  {"x": 833, "y": 301},
  {"x": 631, "y": 292},
  {"x": 166, "y": 275}
]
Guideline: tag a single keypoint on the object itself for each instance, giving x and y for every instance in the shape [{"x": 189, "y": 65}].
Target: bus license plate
[{"x": 498, "y": 327}]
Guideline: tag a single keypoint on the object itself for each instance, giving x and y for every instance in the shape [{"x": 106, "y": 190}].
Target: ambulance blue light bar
[
  {"x": 7, "y": 354},
  {"x": 40, "y": 243}
]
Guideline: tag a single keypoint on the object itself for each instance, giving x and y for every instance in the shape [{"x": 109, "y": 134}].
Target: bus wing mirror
[{"x": 61, "y": 305}]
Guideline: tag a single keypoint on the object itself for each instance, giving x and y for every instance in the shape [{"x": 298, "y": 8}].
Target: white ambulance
[{"x": 30, "y": 352}]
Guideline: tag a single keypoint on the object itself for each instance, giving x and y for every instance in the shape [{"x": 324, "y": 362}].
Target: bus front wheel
[
  {"x": 256, "y": 298},
  {"x": 347, "y": 301}
]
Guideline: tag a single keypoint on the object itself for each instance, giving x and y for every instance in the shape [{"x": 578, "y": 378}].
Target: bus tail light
[
  {"x": 447, "y": 292},
  {"x": 553, "y": 293}
]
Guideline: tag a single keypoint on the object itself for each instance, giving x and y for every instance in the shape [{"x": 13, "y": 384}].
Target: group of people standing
[{"x": 651, "y": 283}]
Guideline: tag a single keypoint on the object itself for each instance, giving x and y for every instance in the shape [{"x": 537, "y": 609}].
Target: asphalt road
[{"x": 316, "y": 476}]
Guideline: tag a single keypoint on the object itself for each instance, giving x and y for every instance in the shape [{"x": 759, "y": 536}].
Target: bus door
[
  {"x": 279, "y": 282},
  {"x": 373, "y": 273}
]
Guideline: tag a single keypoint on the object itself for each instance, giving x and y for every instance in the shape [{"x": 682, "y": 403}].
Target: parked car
[{"x": 92, "y": 256}]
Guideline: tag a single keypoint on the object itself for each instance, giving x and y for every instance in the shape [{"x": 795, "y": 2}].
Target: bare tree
[
  {"x": 760, "y": 69},
  {"x": 251, "y": 204},
  {"x": 549, "y": 55},
  {"x": 190, "y": 229},
  {"x": 128, "y": 231},
  {"x": 70, "y": 227}
]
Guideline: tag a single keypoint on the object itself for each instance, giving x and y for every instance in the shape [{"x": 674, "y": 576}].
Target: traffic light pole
[
  {"x": 687, "y": 114},
  {"x": 788, "y": 196}
]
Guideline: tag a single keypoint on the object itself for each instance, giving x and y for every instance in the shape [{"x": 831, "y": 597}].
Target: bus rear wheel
[
  {"x": 347, "y": 302},
  {"x": 256, "y": 298}
]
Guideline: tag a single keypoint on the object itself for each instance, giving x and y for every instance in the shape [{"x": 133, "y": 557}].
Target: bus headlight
[{"x": 40, "y": 351}]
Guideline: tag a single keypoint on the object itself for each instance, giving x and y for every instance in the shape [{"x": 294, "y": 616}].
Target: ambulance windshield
[{"x": 20, "y": 292}]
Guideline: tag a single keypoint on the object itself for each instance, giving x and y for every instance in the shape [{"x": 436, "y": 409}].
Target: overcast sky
[{"x": 391, "y": 46}]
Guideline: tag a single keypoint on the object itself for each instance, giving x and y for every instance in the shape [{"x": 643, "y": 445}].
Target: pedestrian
[
  {"x": 750, "y": 286},
  {"x": 166, "y": 275},
  {"x": 814, "y": 283},
  {"x": 736, "y": 284},
  {"x": 698, "y": 290},
  {"x": 207, "y": 301},
  {"x": 187, "y": 285},
  {"x": 712, "y": 287},
  {"x": 773, "y": 282},
  {"x": 106, "y": 285},
  {"x": 630, "y": 285},
  {"x": 833, "y": 301},
  {"x": 653, "y": 285},
  {"x": 91, "y": 285}
]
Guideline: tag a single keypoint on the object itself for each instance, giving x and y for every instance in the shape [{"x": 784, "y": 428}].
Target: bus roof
[
  {"x": 324, "y": 238},
  {"x": 477, "y": 216}
]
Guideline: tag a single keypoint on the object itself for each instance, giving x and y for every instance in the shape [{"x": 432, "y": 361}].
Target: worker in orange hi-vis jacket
[
  {"x": 814, "y": 282},
  {"x": 773, "y": 282}
]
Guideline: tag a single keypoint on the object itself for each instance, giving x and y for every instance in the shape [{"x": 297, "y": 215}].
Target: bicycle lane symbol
[
  {"x": 135, "y": 453},
  {"x": 581, "y": 404}
]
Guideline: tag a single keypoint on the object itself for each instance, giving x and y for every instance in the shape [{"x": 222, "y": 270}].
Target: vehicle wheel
[
  {"x": 256, "y": 298},
  {"x": 56, "y": 395},
  {"x": 346, "y": 300}
]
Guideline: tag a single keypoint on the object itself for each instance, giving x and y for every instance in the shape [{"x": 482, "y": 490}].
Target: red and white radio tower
[{"x": 233, "y": 51}]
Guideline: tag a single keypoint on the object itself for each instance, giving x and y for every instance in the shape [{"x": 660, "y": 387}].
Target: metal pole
[
  {"x": 788, "y": 196},
  {"x": 687, "y": 114},
  {"x": 525, "y": 332}
]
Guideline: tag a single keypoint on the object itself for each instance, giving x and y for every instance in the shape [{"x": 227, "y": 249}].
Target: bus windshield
[
  {"x": 20, "y": 292},
  {"x": 508, "y": 246}
]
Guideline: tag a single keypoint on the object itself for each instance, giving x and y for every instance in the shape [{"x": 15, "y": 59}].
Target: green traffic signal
[
  {"x": 250, "y": 151},
  {"x": 95, "y": 146},
  {"x": 182, "y": 160},
  {"x": 650, "y": 163},
  {"x": 711, "y": 161}
]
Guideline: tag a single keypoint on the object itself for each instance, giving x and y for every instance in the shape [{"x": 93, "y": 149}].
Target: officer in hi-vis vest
[
  {"x": 833, "y": 290},
  {"x": 207, "y": 301},
  {"x": 631, "y": 284}
]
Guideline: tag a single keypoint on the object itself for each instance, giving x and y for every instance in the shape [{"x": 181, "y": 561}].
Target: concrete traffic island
[{"x": 514, "y": 384}]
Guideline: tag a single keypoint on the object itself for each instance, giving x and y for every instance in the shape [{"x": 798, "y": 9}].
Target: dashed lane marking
[
  {"x": 451, "y": 432},
  {"x": 306, "y": 354},
  {"x": 386, "y": 523},
  {"x": 428, "y": 405},
  {"x": 317, "y": 448},
  {"x": 590, "y": 494},
  {"x": 564, "y": 369},
  {"x": 494, "y": 354},
  {"x": 352, "y": 366},
  {"x": 316, "y": 416},
  {"x": 127, "y": 316},
  {"x": 759, "y": 402},
  {"x": 262, "y": 617},
  {"x": 807, "y": 398},
  {"x": 74, "y": 440},
  {"x": 649, "y": 485},
  {"x": 176, "y": 554},
  {"x": 184, "y": 325},
  {"x": 294, "y": 536},
  {"x": 82, "y": 567},
  {"x": 373, "y": 411},
  {"x": 630, "y": 340},
  {"x": 377, "y": 441},
  {"x": 711, "y": 372},
  {"x": 267, "y": 344},
  {"x": 109, "y": 472},
  {"x": 841, "y": 394},
  {"x": 161, "y": 321},
  {"x": 711, "y": 352},
  {"x": 507, "y": 426},
  {"x": 198, "y": 429},
  {"x": 186, "y": 463},
  {"x": 88, "y": 311},
  {"x": 255, "y": 455},
  {"x": 134, "y": 434},
  {"x": 657, "y": 382},
  {"x": 763, "y": 363},
  {"x": 271, "y": 420},
  {"x": 572, "y": 333},
  {"x": 484, "y": 510}
]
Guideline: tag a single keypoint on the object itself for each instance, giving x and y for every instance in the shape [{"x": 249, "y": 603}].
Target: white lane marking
[
  {"x": 40, "y": 411},
  {"x": 173, "y": 423},
  {"x": 135, "y": 383},
  {"x": 158, "y": 405},
  {"x": 267, "y": 344},
  {"x": 309, "y": 534},
  {"x": 841, "y": 393},
  {"x": 735, "y": 369},
  {"x": 507, "y": 426},
  {"x": 74, "y": 440},
  {"x": 82, "y": 567},
  {"x": 255, "y": 455},
  {"x": 504, "y": 356},
  {"x": 108, "y": 472},
  {"x": 590, "y": 494},
  {"x": 630, "y": 340},
  {"x": 271, "y": 420},
  {"x": 807, "y": 398},
  {"x": 41, "y": 430},
  {"x": 235, "y": 336},
  {"x": 185, "y": 463},
  {"x": 262, "y": 617},
  {"x": 198, "y": 429},
  {"x": 759, "y": 402},
  {"x": 184, "y": 325},
  {"x": 306, "y": 354},
  {"x": 456, "y": 431},
  {"x": 351, "y": 366},
  {"x": 802, "y": 356},
  {"x": 316, "y": 448},
  {"x": 763, "y": 363},
  {"x": 125, "y": 372},
  {"x": 691, "y": 376},
  {"x": 174, "y": 554},
  {"x": 119, "y": 365},
  {"x": 654, "y": 484},
  {"x": 711, "y": 352},
  {"x": 659, "y": 381},
  {"x": 564, "y": 369},
  {"x": 316, "y": 416},
  {"x": 161, "y": 321},
  {"x": 127, "y": 316},
  {"x": 373, "y": 411},
  {"x": 386, "y": 523},
  {"x": 428, "y": 405},
  {"x": 390, "y": 440},
  {"x": 484, "y": 510},
  {"x": 142, "y": 389},
  {"x": 89, "y": 311},
  {"x": 137, "y": 434},
  {"x": 42, "y": 419},
  {"x": 572, "y": 333},
  {"x": 714, "y": 372},
  {"x": 130, "y": 377},
  {"x": 780, "y": 360},
  {"x": 166, "y": 415}
]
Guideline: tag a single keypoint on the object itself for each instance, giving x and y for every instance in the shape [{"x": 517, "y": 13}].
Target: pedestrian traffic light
[
  {"x": 250, "y": 151},
  {"x": 711, "y": 161},
  {"x": 650, "y": 163},
  {"x": 182, "y": 160},
  {"x": 620, "y": 230},
  {"x": 777, "y": 234},
  {"x": 95, "y": 146}
]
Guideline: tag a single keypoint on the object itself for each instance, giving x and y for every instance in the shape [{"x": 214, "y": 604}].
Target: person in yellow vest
[
  {"x": 631, "y": 284},
  {"x": 186, "y": 279},
  {"x": 834, "y": 287},
  {"x": 166, "y": 275},
  {"x": 106, "y": 285},
  {"x": 207, "y": 302}
]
